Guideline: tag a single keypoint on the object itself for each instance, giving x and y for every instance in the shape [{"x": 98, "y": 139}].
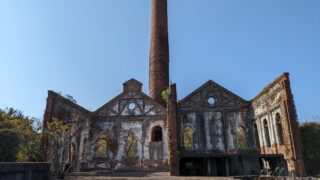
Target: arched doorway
[
  {"x": 156, "y": 144},
  {"x": 156, "y": 135}
]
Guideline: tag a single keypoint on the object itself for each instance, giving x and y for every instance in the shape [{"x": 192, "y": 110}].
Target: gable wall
[
  {"x": 117, "y": 119},
  {"x": 217, "y": 127}
]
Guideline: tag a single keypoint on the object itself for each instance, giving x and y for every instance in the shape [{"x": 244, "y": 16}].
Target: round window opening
[
  {"x": 211, "y": 100},
  {"x": 132, "y": 106}
]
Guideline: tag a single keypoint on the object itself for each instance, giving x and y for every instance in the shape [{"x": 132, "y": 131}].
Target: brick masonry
[
  {"x": 277, "y": 98},
  {"x": 159, "y": 51}
]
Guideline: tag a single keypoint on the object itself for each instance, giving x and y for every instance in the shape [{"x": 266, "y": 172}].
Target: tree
[
  {"x": 27, "y": 129},
  {"x": 9, "y": 145},
  {"x": 310, "y": 134},
  {"x": 61, "y": 151}
]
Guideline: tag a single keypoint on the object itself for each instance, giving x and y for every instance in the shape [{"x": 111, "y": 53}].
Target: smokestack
[{"x": 159, "y": 51}]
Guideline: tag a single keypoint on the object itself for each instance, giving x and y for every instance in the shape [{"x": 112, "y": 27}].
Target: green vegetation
[
  {"x": 68, "y": 97},
  {"x": 60, "y": 135},
  {"x": 19, "y": 137},
  {"x": 188, "y": 139},
  {"x": 131, "y": 145},
  {"x": 20, "y": 140},
  {"x": 9, "y": 145},
  {"x": 165, "y": 94},
  {"x": 310, "y": 134},
  {"x": 62, "y": 138},
  {"x": 102, "y": 146}
]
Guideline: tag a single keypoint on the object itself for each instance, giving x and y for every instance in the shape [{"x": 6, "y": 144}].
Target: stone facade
[
  {"x": 210, "y": 132},
  {"x": 218, "y": 123},
  {"x": 132, "y": 114},
  {"x": 275, "y": 117}
]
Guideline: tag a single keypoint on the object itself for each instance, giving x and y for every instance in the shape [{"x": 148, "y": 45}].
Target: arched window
[
  {"x": 256, "y": 135},
  {"x": 279, "y": 129},
  {"x": 131, "y": 145},
  {"x": 188, "y": 139},
  {"x": 156, "y": 135},
  {"x": 72, "y": 157},
  {"x": 101, "y": 146},
  {"x": 84, "y": 152},
  {"x": 266, "y": 133},
  {"x": 64, "y": 154}
]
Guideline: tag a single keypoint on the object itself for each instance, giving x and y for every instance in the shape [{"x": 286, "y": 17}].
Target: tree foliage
[
  {"x": 310, "y": 134},
  {"x": 22, "y": 129},
  {"x": 62, "y": 153},
  {"x": 9, "y": 145},
  {"x": 165, "y": 94},
  {"x": 59, "y": 134}
]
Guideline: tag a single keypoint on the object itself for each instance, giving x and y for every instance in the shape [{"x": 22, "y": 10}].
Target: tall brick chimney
[{"x": 159, "y": 51}]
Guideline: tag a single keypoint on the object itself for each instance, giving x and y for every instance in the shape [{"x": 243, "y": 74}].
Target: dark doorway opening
[
  {"x": 156, "y": 134},
  {"x": 274, "y": 165},
  {"x": 192, "y": 167},
  {"x": 216, "y": 166},
  {"x": 203, "y": 166}
]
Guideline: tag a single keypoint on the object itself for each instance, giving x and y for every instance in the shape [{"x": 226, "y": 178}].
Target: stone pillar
[
  {"x": 172, "y": 131},
  {"x": 159, "y": 51}
]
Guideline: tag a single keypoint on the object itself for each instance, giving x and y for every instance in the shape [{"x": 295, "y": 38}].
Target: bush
[
  {"x": 310, "y": 135},
  {"x": 9, "y": 145}
]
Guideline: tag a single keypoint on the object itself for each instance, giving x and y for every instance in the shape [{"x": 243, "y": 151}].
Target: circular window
[
  {"x": 211, "y": 100},
  {"x": 132, "y": 106}
]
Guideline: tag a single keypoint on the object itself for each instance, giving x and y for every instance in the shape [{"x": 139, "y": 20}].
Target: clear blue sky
[{"x": 89, "y": 48}]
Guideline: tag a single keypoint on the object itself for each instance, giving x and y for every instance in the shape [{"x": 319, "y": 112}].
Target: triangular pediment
[
  {"x": 132, "y": 102},
  {"x": 212, "y": 94}
]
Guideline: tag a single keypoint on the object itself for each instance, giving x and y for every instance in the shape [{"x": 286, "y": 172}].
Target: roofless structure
[{"x": 210, "y": 132}]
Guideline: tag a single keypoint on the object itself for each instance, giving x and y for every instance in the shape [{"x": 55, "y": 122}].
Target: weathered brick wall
[
  {"x": 172, "y": 131},
  {"x": 275, "y": 99},
  {"x": 159, "y": 51},
  {"x": 58, "y": 107}
]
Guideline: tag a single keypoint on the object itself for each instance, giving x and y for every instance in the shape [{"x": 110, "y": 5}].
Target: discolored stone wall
[{"x": 131, "y": 113}]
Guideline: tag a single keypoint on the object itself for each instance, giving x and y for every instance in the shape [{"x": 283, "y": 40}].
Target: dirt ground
[
  {"x": 133, "y": 176},
  {"x": 160, "y": 176}
]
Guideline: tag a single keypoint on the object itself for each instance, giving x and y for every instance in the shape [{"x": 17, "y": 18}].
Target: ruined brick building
[{"x": 211, "y": 131}]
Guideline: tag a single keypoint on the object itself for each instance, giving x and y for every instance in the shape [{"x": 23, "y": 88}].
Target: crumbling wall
[
  {"x": 58, "y": 107},
  {"x": 222, "y": 131},
  {"x": 275, "y": 99},
  {"x": 217, "y": 119},
  {"x": 128, "y": 120}
]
